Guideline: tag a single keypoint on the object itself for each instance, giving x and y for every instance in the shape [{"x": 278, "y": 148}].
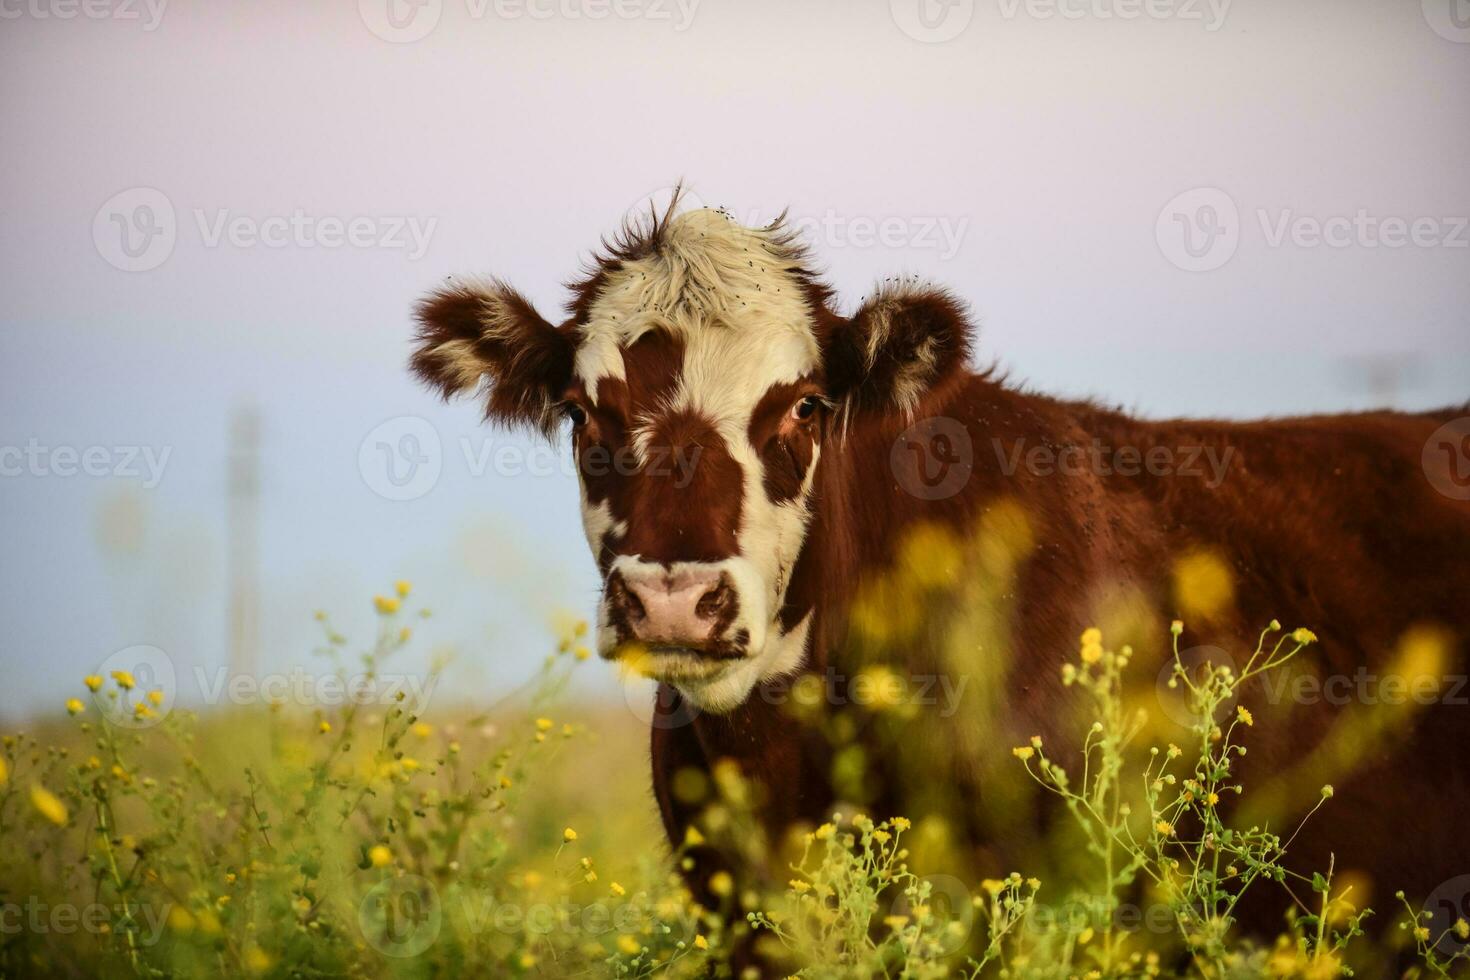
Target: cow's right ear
[
  {"x": 905, "y": 340},
  {"x": 473, "y": 334}
]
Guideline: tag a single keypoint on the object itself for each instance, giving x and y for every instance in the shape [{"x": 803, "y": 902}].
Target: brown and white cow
[{"x": 741, "y": 489}]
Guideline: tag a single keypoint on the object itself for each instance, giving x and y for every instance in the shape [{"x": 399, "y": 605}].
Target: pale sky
[{"x": 1045, "y": 161}]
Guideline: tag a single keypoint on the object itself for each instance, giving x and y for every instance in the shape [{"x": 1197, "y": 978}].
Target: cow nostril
[
  {"x": 716, "y": 601},
  {"x": 624, "y": 599}
]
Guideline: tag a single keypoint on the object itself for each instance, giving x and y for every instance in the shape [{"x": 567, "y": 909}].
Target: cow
[{"x": 774, "y": 490}]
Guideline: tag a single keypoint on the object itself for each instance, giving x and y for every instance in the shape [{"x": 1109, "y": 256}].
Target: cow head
[{"x": 702, "y": 374}]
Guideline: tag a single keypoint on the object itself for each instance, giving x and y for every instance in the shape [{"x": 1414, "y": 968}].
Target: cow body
[{"x": 846, "y": 492}]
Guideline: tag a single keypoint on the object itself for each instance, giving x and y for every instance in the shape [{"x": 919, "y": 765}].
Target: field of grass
[{"x": 369, "y": 841}]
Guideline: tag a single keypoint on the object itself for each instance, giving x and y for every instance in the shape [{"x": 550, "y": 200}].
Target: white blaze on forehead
[{"x": 727, "y": 291}]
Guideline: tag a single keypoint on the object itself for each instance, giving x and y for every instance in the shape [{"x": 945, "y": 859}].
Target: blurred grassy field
[{"x": 382, "y": 840}]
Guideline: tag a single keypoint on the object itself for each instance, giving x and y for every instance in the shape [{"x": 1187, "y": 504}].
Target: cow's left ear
[{"x": 902, "y": 342}]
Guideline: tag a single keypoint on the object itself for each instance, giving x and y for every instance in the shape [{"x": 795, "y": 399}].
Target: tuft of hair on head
[
  {"x": 480, "y": 335},
  {"x": 904, "y": 341}
]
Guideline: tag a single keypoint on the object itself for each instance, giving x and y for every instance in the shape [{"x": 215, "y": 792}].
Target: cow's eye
[
  {"x": 806, "y": 408},
  {"x": 576, "y": 413}
]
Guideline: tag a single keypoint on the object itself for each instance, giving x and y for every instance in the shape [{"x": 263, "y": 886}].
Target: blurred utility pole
[
  {"x": 1385, "y": 377},
  {"x": 244, "y": 558}
]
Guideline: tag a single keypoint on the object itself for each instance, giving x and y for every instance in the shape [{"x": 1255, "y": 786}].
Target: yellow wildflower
[
  {"x": 628, "y": 945},
  {"x": 48, "y": 805},
  {"x": 324, "y": 726},
  {"x": 568, "y": 835},
  {"x": 74, "y": 706},
  {"x": 156, "y": 697},
  {"x": 423, "y": 729},
  {"x": 1091, "y": 635},
  {"x": 1246, "y": 718},
  {"x": 825, "y": 831},
  {"x": 402, "y": 587},
  {"x": 617, "y": 889},
  {"x": 380, "y": 856},
  {"x": 1303, "y": 636},
  {"x": 901, "y": 823},
  {"x": 124, "y": 679},
  {"x": 700, "y": 942},
  {"x": 1165, "y": 827},
  {"x": 799, "y": 886},
  {"x": 385, "y": 605},
  {"x": 93, "y": 682},
  {"x": 721, "y": 884},
  {"x": 692, "y": 837},
  {"x": 544, "y": 724}
]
